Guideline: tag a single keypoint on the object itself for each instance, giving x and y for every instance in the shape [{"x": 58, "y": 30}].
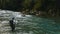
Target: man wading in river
[{"x": 12, "y": 24}]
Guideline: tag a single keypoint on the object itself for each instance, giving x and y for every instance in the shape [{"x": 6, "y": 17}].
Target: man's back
[
  {"x": 12, "y": 25},
  {"x": 11, "y": 21}
]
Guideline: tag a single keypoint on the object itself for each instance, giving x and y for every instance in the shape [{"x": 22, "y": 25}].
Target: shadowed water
[{"x": 28, "y": 24}]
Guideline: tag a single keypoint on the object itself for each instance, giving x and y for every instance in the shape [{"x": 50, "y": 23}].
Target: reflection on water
[{"x": 28, "y": 24}]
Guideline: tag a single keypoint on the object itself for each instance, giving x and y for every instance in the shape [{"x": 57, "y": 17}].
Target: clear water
[{"x": 30, "y": 25}]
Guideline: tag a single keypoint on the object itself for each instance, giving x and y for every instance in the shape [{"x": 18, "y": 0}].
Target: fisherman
[{"x": 12, "y": 24}]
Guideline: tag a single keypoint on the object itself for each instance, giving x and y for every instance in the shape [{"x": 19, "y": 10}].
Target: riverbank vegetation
[{"x": 34, "y": 7}]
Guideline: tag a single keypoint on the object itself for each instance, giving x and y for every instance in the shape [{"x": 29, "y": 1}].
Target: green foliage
[
  {"x": 26, "y": 3},
  {"x": 37, "y": 4}
]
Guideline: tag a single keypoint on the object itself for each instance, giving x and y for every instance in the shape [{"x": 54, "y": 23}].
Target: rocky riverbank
[{"x": 40, "y": 13}]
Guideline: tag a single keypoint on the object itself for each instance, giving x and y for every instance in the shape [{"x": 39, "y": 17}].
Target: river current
[{"x": 28, "y": 24}]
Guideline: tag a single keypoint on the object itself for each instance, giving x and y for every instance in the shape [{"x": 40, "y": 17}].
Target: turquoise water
[
  {"x": 31, "y": 25},
  {"x": 35, "y": 25},
  {"x": 40, "y": 25},
  {"x": 47, "y": 25}
]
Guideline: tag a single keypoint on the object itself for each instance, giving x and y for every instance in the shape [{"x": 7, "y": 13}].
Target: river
[{"x": 28, "y": 24}]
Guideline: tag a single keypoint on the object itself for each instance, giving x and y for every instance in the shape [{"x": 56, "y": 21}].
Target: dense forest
[{"x": 34, "y": 7}]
